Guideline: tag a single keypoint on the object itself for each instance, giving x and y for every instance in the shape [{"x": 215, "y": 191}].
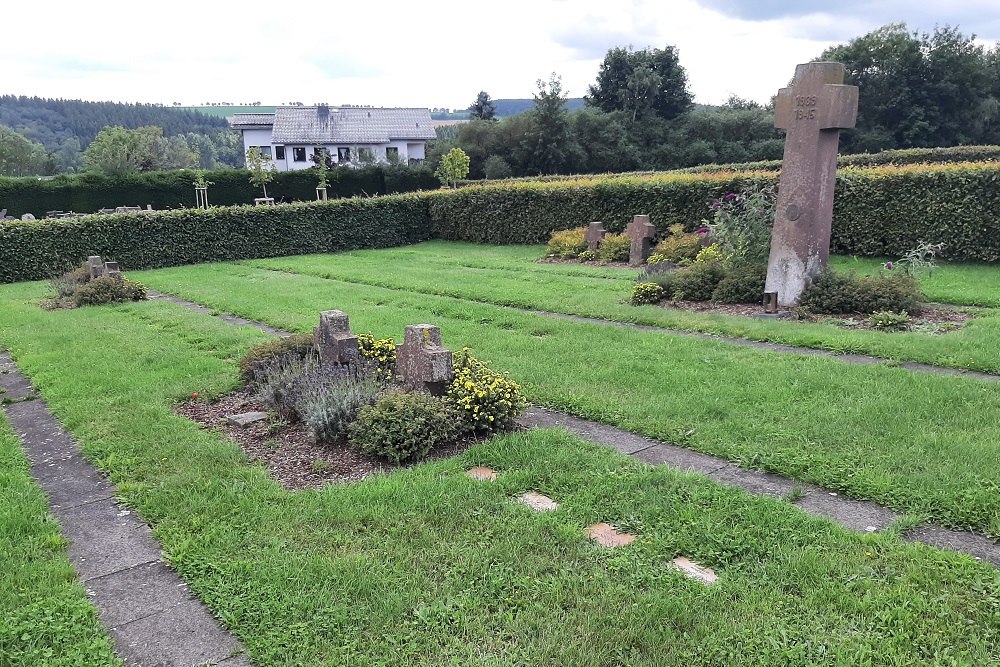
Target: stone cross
[
  {"x": 595, "y": 232},
  {"x": 813, "y": 111},
  {"x": 422, "y": 362},
  {"x": 641, "y": 231},
  {"x": 334, "y": 340},
  {"x": 96, "y": 266},
  {"x": 111, "y": 270}
]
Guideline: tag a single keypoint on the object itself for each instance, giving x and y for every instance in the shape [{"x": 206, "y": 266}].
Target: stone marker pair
[
  {"x": 641, "y": 232},
  {"x": 421, "y": 361},
  {"x": 100, "y": 268}
]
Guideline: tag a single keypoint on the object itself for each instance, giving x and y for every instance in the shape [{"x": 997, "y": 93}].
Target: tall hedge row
[
  {"x": 877, "y": 211},
  {"x": 42, "y": 248},
  {"x": 88, "y": 193}
]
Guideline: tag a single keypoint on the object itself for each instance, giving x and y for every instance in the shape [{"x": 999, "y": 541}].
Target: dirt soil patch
[{"x": 288, "y": 451}]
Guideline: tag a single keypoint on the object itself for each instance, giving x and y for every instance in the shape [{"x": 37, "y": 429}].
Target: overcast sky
[{"x": 426, "y": 54}]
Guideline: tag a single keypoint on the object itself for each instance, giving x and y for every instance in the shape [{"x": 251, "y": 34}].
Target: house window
[
  {"x": 343, "y": 154},
  {"x": 391, "y": 153},
  {"x": 279, "y": 152},
  {"x": 265, "y": 151},
  {"x": 299, "y": 154},
  {"x": 366, "y": 155}
]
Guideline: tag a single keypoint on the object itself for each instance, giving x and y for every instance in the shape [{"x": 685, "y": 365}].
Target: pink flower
[
  {"x": 703, "y": 230},
  {"x": 888, "y": 266}
]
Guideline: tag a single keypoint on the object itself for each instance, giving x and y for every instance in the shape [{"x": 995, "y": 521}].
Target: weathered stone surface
[
  {"x": 641, "y": 232},
  {"x": 595, "y": 232},
  {"x": 111, "y": 270},
  {"x": 608, "y": 536},
  {"x": 422, "y": 362},
  {"x": 538, "y": 502},
  {"x": 705, "y": 575},
  {"x": 334, "y": 340},
  {"x": 96, "y": 265},
  {"x": 482, "y": 473},
  {"x": 27, "y": 216},
  {"x": 246, "y": 418},
  {"x": 813, "y": 111}
]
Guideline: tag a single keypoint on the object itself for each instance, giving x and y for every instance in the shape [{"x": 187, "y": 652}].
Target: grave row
[{"x": 640, "y": 231}]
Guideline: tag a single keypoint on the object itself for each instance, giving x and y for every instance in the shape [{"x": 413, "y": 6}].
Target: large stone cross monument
[{"x": 813, "y": 111}]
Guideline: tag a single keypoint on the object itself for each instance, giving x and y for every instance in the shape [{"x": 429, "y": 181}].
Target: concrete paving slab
[
  {"x": 623, "y": 441},
  {"x": 755, "y": 482},
  {"x": 858, "y": 515},
  {"x": 979, "y": 547},
  {"x": 183, "y": 635},
  {"x": 538, "y": 501},
  {"x": 680, "y": 458},
  {"x": 608, "y": 536},
  {"x": 106, "y": 537},
  {"x": 135, "y": 593},
  {"x": 71, "y": 481},
  {"x": 482, "y": 473}
]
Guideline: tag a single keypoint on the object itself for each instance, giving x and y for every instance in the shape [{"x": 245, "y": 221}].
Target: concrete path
[
  {"x": 857, "y": 515},
  {"x": 146, "y": 607}
]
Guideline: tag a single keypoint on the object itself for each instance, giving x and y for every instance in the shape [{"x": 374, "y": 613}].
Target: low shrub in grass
[
  {"x": 275, "y": 380},
  {"x": 848, "y": 293},
  {"x": 68, "y": 283},
  {"x": 696, "y": 282},
  {"x": 106, "y": 289},
  {"x": 404, "y": 426},
  {"x": 327, "y": 398},
  {"x": 298, "y": 346},
  {"x": 485, "y": 400},
  {"x": 678, "y": 247},
  {"x": 568, "y": 243},
  {"x": 614, "y": 248},
  {"x": 744, "y": 285},
  {"x": 886, "y": 320},
  {"x": 646, "y": 293}
]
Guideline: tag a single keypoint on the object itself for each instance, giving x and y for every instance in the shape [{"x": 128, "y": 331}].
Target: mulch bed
[{"x": 288, "y": 451}]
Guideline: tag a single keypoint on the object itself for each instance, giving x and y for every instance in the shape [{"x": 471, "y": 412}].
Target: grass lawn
[
  {"x": 428, "y": 567},
  {"x": 926, "y": 444},
  {"x": 45, "y": 616},
  {"x": 510, "y": 276}
]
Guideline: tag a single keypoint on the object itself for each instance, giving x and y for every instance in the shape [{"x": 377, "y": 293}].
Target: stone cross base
[
  {"x": 422, "y": 362},
  {"x": 96, "y": 266},
  {"x": 595, "y": 232},
  {"x": 334, "y": 340}
]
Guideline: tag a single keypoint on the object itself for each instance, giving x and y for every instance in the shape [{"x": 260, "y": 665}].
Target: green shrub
[
  {"x": 327, "y": 398},
  {"x": 832, "y": 292},
  {"x": 712, "y": 253},
  {"x": 679, "y": 246},
  {"x": 743, "y": 285},
  {"x": 588, "y": 255},
  {"x": 614, "y": 248},
  {"x": 741, "y": 225},
  {"x": 404, "y": 426},
  {"x": 68, "y": 283},
  {"x": 485, "y": 400},
  {"x": 696, "y": 282},
  {"x": 568, "y": 243},
  {"x": 886, "y": 320},
  {"x": 661, "y": 274},
  {"x": 106, "y": 289},
  {"x": 298, "y": 346},
  {"x": 646, "y": 293},
  {"x": 275, "y": 380}
]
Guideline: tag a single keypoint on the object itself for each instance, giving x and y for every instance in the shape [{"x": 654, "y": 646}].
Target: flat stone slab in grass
[
  {"x": 538, "y": 502},
  {"x": 704, "y": 574},
  {"x": 482, "y": 473},
  {"x": 608, "y": 536},
  {"x": 246, "y": 418}
]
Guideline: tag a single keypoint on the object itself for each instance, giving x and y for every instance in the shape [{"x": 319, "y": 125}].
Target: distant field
[{"x": 222, "y": 112}]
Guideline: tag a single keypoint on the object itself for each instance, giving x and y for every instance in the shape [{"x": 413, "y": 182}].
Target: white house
[{"x": 292, "y": 135}]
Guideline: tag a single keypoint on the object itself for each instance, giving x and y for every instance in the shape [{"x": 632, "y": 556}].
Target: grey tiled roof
[
  {"x": 352, "y": 125},
  {"x": 238, "y": 120}
]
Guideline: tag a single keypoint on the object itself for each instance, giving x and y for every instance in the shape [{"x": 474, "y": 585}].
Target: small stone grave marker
[
  {"x": 641, "y": 231},
  {"x": 608, "y": 536},
  {"x": 595, "y": 232},
  {"x": 813, "y": 111},
  {"x": 111, "y": 270},
  {"x": 538, "y": 502},
  {"x": 334, "y": 340},
  {"x": 422, "y": 362},
  {"x": 96, "y": 265},
  {"x": 482, "y": 473},
  {"x": 704, "y": 574}
]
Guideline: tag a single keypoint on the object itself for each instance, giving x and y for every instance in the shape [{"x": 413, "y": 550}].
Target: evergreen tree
[{"x": 483, "y": 108}]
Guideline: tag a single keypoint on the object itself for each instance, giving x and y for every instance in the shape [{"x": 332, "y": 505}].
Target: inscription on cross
[
  {"x": 641, "y": 231},
  {"x": 813, "y": 111},
  {"x": 595, "y": 232}
]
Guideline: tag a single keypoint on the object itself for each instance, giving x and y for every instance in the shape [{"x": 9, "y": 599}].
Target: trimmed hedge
[
  {"x": 882, "y": 211},
  {"x": 88, "y": 193},
  {"x": 42, "y": 248}
]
